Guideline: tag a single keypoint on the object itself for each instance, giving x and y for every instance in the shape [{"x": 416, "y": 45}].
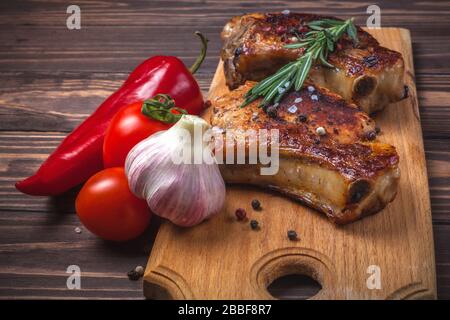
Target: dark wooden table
[{"x": 51, "y": 78}]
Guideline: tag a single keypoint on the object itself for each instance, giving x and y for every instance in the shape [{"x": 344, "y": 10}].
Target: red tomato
[
  {"x": 128, "y": 127},
  {"x": 106, "y": 206}
]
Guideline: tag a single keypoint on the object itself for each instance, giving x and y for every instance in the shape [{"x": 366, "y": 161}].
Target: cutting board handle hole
[
  {"x": 303, "y": 270},
  {"x": 300, "y": 286}
]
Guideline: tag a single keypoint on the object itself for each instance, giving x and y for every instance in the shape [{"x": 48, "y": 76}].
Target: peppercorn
[
  {"x": 371, "y": 135},
  {"x": 133, "y": 275},
  {"x": 240, "y": 214},
  {"x": 370, "y": 61},
  {"x": 292, "y": 235},
  {"x": 207, "y": 104},
  {"x": 256, "y": 205},
  {"x": 254, "y": 224},
  {"x": 302, "y": 118}
]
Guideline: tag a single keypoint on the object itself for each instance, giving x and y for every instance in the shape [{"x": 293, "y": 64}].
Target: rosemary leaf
[
  {"x": 303, "y": 71},
  {"x": 296, "y": 45}
]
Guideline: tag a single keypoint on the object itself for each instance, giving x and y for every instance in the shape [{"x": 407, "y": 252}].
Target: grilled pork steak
[
  {"x": 367, "y": 74},
  {"x": 343, "y": 173}
]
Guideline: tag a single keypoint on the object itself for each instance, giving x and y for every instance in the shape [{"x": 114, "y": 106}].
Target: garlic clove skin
[{"x": 184, "y": 193}]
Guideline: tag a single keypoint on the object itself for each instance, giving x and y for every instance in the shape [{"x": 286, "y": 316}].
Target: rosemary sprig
[{"x": 318, "y": 43}]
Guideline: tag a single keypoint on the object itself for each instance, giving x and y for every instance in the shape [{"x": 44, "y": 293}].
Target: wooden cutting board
[{"x": 224, "y": 259}]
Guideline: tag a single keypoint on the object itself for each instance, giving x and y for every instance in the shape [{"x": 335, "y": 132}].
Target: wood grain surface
[{"x": 51, "y": 78}]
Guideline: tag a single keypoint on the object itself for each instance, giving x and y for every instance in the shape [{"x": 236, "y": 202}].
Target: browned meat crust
[
  {"x": 356, "y": 175},
  {"x": 368, "y": 74}
]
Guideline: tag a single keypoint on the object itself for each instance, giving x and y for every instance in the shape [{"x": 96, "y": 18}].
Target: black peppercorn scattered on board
[
  {"x": 134, "y": 275},
  {"x": 292, "y": 235},
  {"x": 256, "y": 205},
  {"x": 254, "y": 224}
]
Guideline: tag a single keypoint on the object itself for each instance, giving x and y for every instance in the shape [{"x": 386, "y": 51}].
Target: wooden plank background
[{"x": 51, "y": 78}]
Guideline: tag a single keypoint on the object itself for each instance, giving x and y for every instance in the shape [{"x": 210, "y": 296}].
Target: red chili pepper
[{"x": 79, "y": 155}]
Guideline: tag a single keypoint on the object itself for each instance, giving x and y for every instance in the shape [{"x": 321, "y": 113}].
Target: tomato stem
[
  {"x": 161, "y": 108},
  {"x": 193, "y": 69}
]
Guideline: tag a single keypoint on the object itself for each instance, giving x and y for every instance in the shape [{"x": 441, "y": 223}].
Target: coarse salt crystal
[
  {"x": 293, "y": 109},
  {"x": 298, "y": 100},
  {"x": 314, "y": 97},
  {"x": 311, "y": 89},
  {"x": 285, "y": 12}
]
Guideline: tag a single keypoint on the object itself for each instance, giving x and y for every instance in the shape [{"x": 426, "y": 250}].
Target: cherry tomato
[
  {"x": 128, "y": 127},
  {"x": 107, "y": 208}
]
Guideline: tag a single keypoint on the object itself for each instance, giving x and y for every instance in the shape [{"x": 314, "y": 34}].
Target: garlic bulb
[{"x": 176, "y": 172}]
